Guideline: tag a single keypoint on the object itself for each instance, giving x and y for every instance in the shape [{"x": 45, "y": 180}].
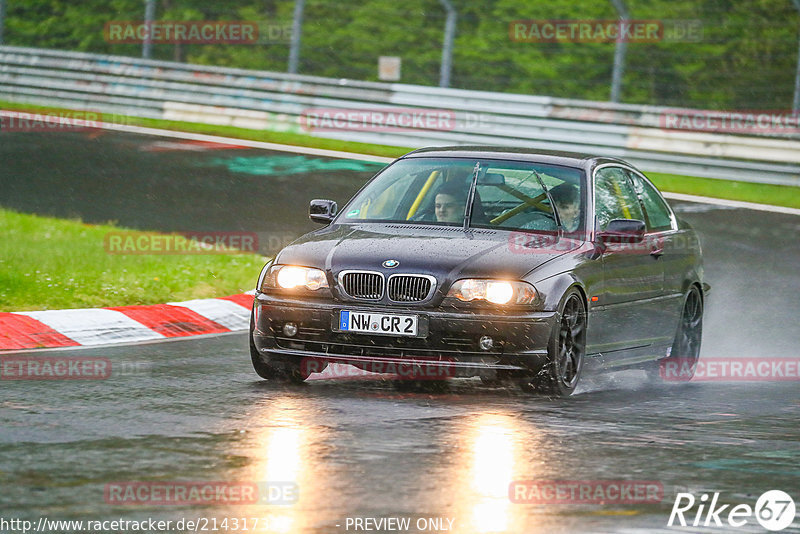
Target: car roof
[{"x": 553, "y": 157}]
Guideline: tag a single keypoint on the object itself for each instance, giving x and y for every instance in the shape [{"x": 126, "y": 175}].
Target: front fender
[{"x": 553, "y": 289}]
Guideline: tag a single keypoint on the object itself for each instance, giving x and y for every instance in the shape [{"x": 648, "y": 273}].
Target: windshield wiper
[
  {"x": 552, "y": 204},
  {"x": 471, "y": 196}
]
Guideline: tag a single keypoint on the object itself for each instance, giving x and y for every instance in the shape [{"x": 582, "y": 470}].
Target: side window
[
  {"x": 614, "y": 197},
  {"x": 658, "y": 217},
  {"x": 386, "y": 203}
]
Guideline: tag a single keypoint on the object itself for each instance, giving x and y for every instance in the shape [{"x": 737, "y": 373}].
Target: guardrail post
[
  {"x": 297, "y": 29},
  {"x": 2, "y": 18},
  {"x": 149, "y": 15},
  {"x": 796, "y": 101},
  {"x": 619, "y": 51},
  {"x": 447, "y": 45}
]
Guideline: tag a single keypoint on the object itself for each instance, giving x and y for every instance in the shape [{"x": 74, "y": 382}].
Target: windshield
[{"x": 508, "y": 195}]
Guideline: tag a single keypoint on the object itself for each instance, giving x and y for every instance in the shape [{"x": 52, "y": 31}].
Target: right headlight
[
  {"x": 294, "y": 277},
  {"x": 494, "y": 291}
]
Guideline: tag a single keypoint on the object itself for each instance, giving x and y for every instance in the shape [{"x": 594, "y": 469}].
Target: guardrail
[{"x": 278, "y": 101}]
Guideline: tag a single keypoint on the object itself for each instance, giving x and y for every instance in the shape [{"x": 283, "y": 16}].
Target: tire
[
  {"x": 296, "y": 372},
  {"x": 681, "y": 363},
  {"x": 566, "y": 351},
  {"x": 262, "y": 369}
]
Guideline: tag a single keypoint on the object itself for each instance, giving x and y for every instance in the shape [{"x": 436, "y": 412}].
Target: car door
[
  {"x": 625, "y": 314},
  {"x": 671, "y": 245}
]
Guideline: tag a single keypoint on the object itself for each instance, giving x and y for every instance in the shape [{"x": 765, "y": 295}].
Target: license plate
[{"x": 378, "y": 323}]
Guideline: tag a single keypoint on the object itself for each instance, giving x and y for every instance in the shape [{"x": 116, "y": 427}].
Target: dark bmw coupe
[{"x": 503, "y": 263}]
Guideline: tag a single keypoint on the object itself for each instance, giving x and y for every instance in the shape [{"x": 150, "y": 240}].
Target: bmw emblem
[{"x": 391, "y": 264}]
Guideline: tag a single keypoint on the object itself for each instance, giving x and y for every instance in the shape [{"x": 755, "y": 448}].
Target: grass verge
[
  {"x": 48, "y": 263},
  {"x": 778, "y": 195}
]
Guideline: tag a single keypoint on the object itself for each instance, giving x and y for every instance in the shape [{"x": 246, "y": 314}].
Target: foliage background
[{"x": 746, "y": 58}]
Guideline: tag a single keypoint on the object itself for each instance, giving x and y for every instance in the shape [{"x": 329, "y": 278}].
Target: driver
[
  {"x": 567, "y": 199},
  {"x": 450, "y": 202}
]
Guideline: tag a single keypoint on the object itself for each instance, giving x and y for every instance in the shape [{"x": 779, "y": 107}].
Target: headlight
[
  {"x": 291, "y": 276},
  {"x": 494, "y": 291}
]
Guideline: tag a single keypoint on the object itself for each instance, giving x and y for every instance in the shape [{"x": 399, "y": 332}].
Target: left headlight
[
  {"x": 292, "y": 276},
  {"x": 494, "y": 291}
]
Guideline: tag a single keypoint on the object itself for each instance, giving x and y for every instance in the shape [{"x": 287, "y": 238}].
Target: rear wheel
[
  {"x": 681, "y": 364},
  {"x": 566, "y": 350}
]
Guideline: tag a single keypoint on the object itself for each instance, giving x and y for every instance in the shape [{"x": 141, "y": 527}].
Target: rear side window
[
  {"x": 614, "y": 197},
  {"x": 658, "y": 215}
]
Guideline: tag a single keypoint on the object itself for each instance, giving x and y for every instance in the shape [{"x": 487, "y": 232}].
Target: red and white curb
[{"x": 124, "y": 324}]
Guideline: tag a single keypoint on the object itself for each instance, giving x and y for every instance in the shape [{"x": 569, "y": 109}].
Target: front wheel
[
  {"x": 264, "y": 370},
  {"x": 565, "y": 352},
  {"x": 296, "y": 371}
]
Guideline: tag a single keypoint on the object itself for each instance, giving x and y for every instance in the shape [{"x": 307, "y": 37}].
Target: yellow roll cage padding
[
  {"x": 365, "y": 207},
  {"x": 625, "y": 209},
  {"x": 422, "y": 192},
  {"x": 526, "y": 202}
]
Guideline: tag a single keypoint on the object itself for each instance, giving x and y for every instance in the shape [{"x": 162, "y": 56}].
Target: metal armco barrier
[{"x": 277, "y": 101}]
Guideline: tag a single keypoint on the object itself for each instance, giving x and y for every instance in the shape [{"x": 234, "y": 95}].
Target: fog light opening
[
  {"x": 290, "y": 329},
  {"x": 486, "y": 343}
]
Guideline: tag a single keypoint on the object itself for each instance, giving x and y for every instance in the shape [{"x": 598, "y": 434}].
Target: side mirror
[
  {"x": 623, "y": 231},
  {"x": 322, "y": 211}
]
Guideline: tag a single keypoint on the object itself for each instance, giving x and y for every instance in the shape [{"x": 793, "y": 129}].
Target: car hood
[{"x": 448, "y": 253}]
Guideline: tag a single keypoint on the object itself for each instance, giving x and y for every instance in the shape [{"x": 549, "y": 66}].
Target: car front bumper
[{"x": 448, "y": 346}]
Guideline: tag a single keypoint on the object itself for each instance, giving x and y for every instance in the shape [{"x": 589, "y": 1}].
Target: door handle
[{"x": 657, "y": 252}]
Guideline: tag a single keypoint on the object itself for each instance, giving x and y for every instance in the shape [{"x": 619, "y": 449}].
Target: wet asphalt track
[{"x": 194, "y": 410}]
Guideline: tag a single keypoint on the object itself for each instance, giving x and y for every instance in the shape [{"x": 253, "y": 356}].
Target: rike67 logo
[{"x": 774, "y": 510}]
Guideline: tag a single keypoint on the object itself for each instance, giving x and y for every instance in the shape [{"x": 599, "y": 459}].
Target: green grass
[
  {"x": 778, "y": 195},
  {"x": 48, "y": 263}
]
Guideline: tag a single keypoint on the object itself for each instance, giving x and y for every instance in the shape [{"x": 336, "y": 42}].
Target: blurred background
[{"x": 715, "y": 54}]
